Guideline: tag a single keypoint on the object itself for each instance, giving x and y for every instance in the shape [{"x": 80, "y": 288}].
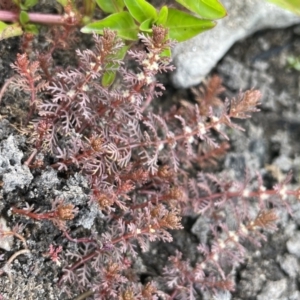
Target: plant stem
[{"x": 9, "y": 16}]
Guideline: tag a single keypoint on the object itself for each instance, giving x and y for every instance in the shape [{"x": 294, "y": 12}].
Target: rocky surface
[
  {"x": 270, "y": 145},
  {"x": 194, "y": 59}
]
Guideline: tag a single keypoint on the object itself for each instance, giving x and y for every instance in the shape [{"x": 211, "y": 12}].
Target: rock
[
  {"x": 273, "y": 290},
  {"x": 47, "y": 180},
  {"x": 219, "y": 295},
  {"x": 293, "y": 244},
  {"x": 195, "y": 58},
  {"x": 289, "y": 264},
  {"x": 201, "y": 229},
  {"x": 284, "y": 163},
  {"x": 75, "y": 190},
  {"x": 6, "y": 241},
  {"x": 15, "y": 175},
  {"x": 18, "y": 177},
  {"x": 294, "y": 295}
]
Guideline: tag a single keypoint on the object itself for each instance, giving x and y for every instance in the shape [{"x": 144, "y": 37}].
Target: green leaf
[
  {"x": 146, "y": 26},
  {"x": 183, "y": 26},
  {"x": 292, "y": 5},
  {"x": 166, "y": 52},
  {"x": 30, "y": 3},
  {"x": 121, "y": 22},
  {"x": 111, "y": 6},
  {"x": 162, "y": 16},
  {"x": 141, "y": 10},
  {"x": 22, "y": 6},
  {"x": 24, "y": 17},
  {"x": 32, "y": 28},
  {"x": 88, "y": 8},
  {"x": 7, "y": 31},
  {"x": 208, "y": 9},
  {"x": 2, "y": 26},
  {"x": 109, "y": 76},
  {"x": 294, "y": 62},
  {"x": 62, "y": 2}
]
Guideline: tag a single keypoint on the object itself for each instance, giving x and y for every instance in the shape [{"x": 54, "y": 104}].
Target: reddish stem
[
  {"x": 9, "y": 16},
  {"x": 42, "y": 216},
  {"x": 81, "y": 240},
  {"x": 90, "y": 256}
]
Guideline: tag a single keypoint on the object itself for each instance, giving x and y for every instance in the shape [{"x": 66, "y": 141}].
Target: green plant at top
[
  {"x": 293, "y": 62},
  {"x": 127, "y": 17},
  {"x": 292, "y": 5},
  {"x": 16, "y": 17},
  {"x": 130, "y": 17},
  {"x": 23, "y": 22}
]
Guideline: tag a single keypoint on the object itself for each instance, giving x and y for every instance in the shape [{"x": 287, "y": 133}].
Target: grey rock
[
  {"x": 252, "y": 279},
  {"x": 293, "y": 244},
  {"x": 240, "y": 77},
  {"x": 284, "y": 163},
  {"x": 289, "y": 264},
  {"x": 195, "y": 58},
  {"x": 201, "y": 229},
  {"x": 6, "y": 241},
  {"x": 47, "y": 180},
  {"x": 291, "y": 225},
  {"x": 5, "y": 129},
  {"x": 219, "y": 295},
  {"x": 236, "y": 162},
  {"x": 87, "y": 218},
  {"x": 18, "y": 177},
  {"x": 282, "y": 138},
  {"x": 15, "y": 175},
  {"x": 295, "y": 295},
  {"x": 10, "y": 154},
  {"x": 222, "y": 296},
  {"x": 237, "y": 75},
  {"x": 74, "y": 191},
  {"x": 296, "y": 219},
  {"x": 273, "y": 290}
]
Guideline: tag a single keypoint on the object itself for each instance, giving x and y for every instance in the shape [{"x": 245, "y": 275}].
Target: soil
[{"x": 270, "y": 145}]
